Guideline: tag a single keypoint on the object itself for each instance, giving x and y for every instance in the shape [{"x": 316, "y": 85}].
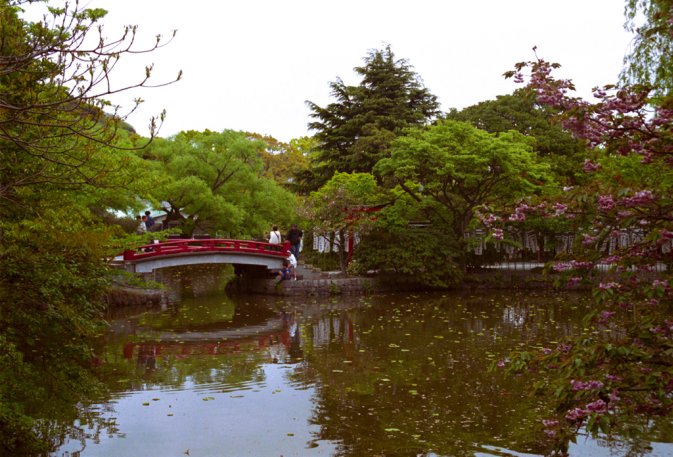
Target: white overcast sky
[{"x": 251, "y": 64}]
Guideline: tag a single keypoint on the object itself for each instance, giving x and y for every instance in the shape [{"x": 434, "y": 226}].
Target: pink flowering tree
[{"x": 617, "y": 376}]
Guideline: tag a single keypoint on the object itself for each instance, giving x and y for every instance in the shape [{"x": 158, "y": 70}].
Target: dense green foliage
[
  {"x": 520, "y": 111},
  {"x": 54, "y": 166},
  {"x": 64, "y": 164},
  {"x": 333, "y": 209},
  {"x": 213, "y": 182},
  {"x": 356, "y": 130},
  {"x": 452, "y": 168}
]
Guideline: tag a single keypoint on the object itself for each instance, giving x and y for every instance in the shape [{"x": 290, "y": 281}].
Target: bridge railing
[{"x": 195, "y": 246}]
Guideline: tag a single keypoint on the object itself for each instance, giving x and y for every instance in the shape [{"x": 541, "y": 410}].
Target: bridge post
[{"x": 129, "y": 265}]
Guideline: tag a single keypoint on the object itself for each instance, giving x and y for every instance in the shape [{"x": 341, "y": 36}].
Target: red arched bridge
[{"x": 174, "y": 253}]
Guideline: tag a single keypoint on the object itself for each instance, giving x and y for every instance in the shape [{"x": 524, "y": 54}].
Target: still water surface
[{"x": 393, "y": 375}]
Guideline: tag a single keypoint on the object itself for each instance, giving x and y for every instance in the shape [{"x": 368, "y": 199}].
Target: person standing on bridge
[
  {"x": 275, "y": 236},
  {"x": 142, "y": 226},
  {"x": 294, "y": 237},
  {"x": 150, "y": 222}
]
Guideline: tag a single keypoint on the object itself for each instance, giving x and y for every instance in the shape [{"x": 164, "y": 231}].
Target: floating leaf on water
[
  {"x": 290, "y": 434},
  {"x": 155, "y": 399},
  {"x": 337, "y": 371},
  {"x": 208, "y": 398},
  {"x": 392, "y": 429},
  {"x": 146, "y": 403}
]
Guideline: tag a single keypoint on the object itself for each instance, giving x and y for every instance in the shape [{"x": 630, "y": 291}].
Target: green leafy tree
[
  {"x": 54, "y": 76},
  {"x": 330, "y": 209},
  {"x": 408, "y": 247},
  {"x": 356, "y": 130},
  {"x": 452, "y": 168},
  {"x": 520, "y": 111},
  {"x": 60, "y": 156},
  {"x": 212, "y": 181},
  {"x": 284, "y": 161}
]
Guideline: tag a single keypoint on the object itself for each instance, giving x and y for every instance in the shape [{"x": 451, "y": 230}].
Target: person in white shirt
[
  {"x": 293, "y": 266},
  {"x": 275, "y": 236}
]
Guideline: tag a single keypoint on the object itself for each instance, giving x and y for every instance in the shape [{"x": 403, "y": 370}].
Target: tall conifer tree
[{"x": 356, "y": 130}]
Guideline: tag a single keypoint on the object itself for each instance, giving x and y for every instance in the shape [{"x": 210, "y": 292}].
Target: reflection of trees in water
[
  {"x": 333, "y": 329},
  {"x": 413, "y": 377},
  {"x": 194, "y": 281},
  {"x": 397, "y": 375}
]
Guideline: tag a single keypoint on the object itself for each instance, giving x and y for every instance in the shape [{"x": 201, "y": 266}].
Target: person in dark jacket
[
  {"x": 149, "y": 222},
  {"x": 294, "y": 237}
]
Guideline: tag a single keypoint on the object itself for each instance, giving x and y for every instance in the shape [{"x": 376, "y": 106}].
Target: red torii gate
[{"x": 357, "y": 212}]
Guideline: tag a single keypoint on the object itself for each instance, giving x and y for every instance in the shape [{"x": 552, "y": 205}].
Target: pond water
[{"x": 392, "y": 375}]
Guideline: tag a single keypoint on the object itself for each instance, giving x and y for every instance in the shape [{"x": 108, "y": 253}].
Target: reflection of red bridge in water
[
  {"x": 286, "y": 333},
  {"x": 172, "y": 253}
]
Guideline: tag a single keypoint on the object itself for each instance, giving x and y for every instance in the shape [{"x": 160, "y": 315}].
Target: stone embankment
[
  {"x": 118, "y": 296},
  {"x": 312, "y": 281},
  {"x": 322, "y": 286}
]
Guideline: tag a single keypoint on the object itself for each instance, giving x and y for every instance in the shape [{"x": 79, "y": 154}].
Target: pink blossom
[
  {"x": 612, "y": 259},
  {"x": 598, "y": 406},
  {"x": 606, "y": 202},
  {"x": 551, "y": 433},
  {"x": 609, "y": 285},
  {"x": 560, "y": 208},
  {"x": 562, "y": 266},
  {"x": 590, "y": 166},
  {"x": 550, "y": 423},
  {"x": 656, "y": 284},
  {"x": 605, "y": 316},
  {"x": 586, "y": 385},
  {"x": 572, "y": 265},
  {"x": 488, "y": 220},
  {"x": 519, "y": 214},
  {"x": 576, "y": 414},
  {"x": 498, "y": 234},
  {"x": 641, "y": 198},
  {"x": 574, "y": 281},
  {"x": 588, "y": 240}
]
